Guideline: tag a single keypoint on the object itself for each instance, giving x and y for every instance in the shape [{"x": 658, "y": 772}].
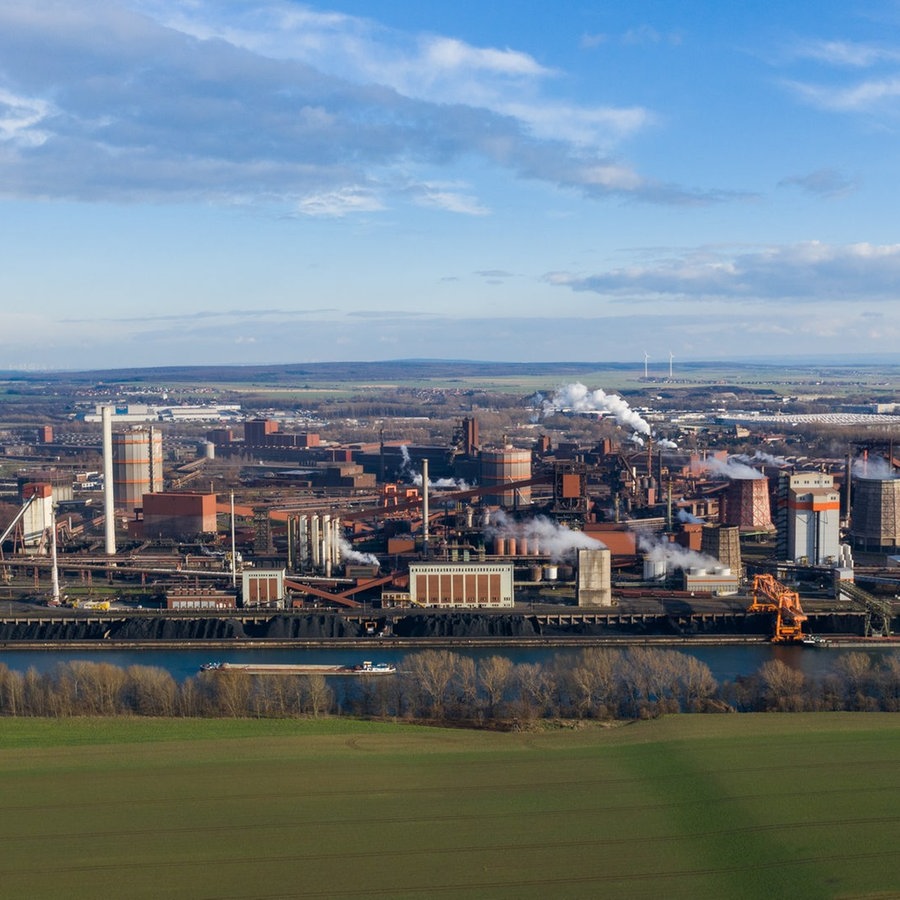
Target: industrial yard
[{"x": 676, "y": 507}]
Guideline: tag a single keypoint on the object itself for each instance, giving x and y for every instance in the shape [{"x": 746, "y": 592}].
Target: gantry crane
[{"x": 770, "y": 595}]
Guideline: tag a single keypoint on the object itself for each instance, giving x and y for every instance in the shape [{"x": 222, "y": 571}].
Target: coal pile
[
  {"x": 52, "y": 631},
  {"x": 163, "y": 629},
  {"x": 303, "y": 628},
  {"x": 466, "y": 625}
]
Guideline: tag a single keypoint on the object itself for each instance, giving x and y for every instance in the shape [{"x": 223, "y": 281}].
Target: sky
[{"x": 245, "y": 182}]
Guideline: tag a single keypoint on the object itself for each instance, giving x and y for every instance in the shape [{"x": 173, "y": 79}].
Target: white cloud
[
  {"x": 844, "y": 53},
  {"x": 336, "y": 204},
  {"x": 276, "y": 103},
  {"x": 864, "y": 96},
  {"x": 822, "y": 183},
  {"x": 810, "y": 271}
]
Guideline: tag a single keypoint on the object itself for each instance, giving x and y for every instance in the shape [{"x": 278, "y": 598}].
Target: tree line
[{"x": 443, "y": 686}]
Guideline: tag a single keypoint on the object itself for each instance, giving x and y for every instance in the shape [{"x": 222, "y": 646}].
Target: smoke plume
[
  {"x": 348, "y": 554},
  {"x": 760, "y": 456},
  {"x": 730, "y": 468},
  {"x": 407, "y": 473},
  {"x": 552, "y": 539},
  {"x": 875, "y": 467},
  {"x": 577, "y": 398},
  {"x": 675, "y": 556},
  {"x": 685, "y": 516}
]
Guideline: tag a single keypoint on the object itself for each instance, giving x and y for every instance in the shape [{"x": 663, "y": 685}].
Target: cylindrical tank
[
  {"x": 654, "y": 569},
  {"x": 535, "y": 573},
  {"x": 499, "y": 467},
  {"x": 523, "y": 546},
  {"x": 551, "y": 573},
  {"x": 500, "y": 546},
  {"x": 566, "y": 573},
  {"x": 206, "y": 450},
  {"x": 137, "y": 465},
  {"x": 511, "y": 546}
]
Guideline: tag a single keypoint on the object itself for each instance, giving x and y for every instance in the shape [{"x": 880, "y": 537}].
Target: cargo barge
[{"x": 363, "y": 668}]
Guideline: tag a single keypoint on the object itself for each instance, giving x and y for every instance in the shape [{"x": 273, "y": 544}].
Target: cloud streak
[{"x": 809, "y": 272}]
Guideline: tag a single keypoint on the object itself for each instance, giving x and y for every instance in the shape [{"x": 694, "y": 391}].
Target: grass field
[{"x": 744, "y": 806}]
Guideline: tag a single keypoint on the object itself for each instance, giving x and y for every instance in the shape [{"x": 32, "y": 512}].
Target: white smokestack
[{"x": 109, "y": 504}]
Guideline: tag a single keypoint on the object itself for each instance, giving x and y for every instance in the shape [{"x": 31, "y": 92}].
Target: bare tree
[
  {"x": 782, "y": 687},
  {"x": 494, "y": 675},
  {"x": 319, "y": 696},
  {"x": 592, "y": 681},
  {"x": 432, "y": 671},
  {"x": 537, "y": 688}
]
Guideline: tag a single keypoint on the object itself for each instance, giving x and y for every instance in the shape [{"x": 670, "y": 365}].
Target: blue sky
[{"x": 228, "y": 182}]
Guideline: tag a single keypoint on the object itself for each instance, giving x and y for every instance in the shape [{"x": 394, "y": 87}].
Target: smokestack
[
  {"x": 425, "y": 505},
  {"x": 54, "y": 563},
  {"x": 109, "y": 504}
]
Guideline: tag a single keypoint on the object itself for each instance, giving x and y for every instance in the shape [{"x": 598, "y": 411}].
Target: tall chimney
[
  {"x": 425, "y": 505},
  {"x": 109, "y": 503}
]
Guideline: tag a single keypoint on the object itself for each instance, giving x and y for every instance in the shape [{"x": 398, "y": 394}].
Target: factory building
[
  {"x": 594, "y": 578},
  {"x": 467, "y": 585},
  {"x": 808, "y": 518},
  {"x": 501, "y": 466},
  {"x": 875, "y": 523},
  {"x": 715, "y": 580},
  {"x": 261, "y": 587},
  {"x": 179, "y": 515},
  {"x": 200, "y": 598},
  {"x": 137, "y": 458},
  {"x": 747, "y": 506}
]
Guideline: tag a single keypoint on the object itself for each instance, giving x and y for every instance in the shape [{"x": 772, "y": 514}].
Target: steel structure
[
  {"x": 877, "y": 612},
  {"x": 770, "y": 595}
]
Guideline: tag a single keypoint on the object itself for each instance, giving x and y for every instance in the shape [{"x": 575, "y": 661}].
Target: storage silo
[
  {"x": 594, "y": 578},
  {"x": 137, "y": 465},
  {"x": 499, "y": 467},
  {"x": 875, "y": 521}
]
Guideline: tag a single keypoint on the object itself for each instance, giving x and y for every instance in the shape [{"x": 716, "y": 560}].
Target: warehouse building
[{"x": 466, "y": 585}]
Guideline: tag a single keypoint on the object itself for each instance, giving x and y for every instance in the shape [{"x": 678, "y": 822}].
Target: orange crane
[{"x": 770, "y": 595}]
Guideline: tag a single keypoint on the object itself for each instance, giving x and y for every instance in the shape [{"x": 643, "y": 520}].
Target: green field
[{"x": 742, "y": 806}]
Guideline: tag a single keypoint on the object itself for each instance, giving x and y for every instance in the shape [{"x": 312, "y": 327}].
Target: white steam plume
[
  {"x": 406, "y": 472},
  {"x": 348, "y": 554},
  {"x": 577, "y": 398},
  {"x": 685, "y": 516},
  {"x": 551, "y": 538},
  {"x": 730, "y": 468},
  {"x": 666, "y": 444},
  {"x": 876, "y": 467},
  {"x": 675, "y": 556},
  {"x": 760, "y": 456}
]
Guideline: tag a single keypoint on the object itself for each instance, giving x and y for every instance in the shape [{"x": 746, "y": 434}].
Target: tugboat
[
  {"x": 370, "y": 668},
  {"x": 812, "y": 640}
]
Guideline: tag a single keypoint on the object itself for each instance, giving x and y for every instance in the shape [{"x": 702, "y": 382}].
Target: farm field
[{"x": 740, "y": 806}]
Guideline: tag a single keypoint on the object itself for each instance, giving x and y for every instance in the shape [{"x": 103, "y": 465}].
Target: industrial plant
[{"x": 586, "y": 506}]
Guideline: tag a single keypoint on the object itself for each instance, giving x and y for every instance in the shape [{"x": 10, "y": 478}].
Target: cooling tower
[
  {"x": 747, "y": 505},
  {"x": 875, "y": 522},
  {"x": 723, "y": 543}
]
